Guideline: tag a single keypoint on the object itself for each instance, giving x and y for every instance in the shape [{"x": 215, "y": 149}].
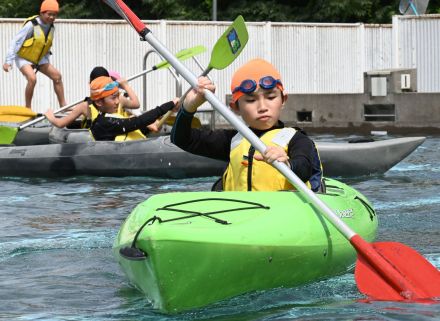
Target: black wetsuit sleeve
[
  {"x": 209, "y": 143},
  {"x": 301, "y": 151},
  {"x": 107, "y": 128}
]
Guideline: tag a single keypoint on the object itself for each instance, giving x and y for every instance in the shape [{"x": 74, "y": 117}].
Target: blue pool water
[{"x": 56, "y": 261}]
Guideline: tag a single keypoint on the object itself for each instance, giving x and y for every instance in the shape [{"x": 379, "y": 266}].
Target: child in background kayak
[
  {"x": 258, "y": 97},
  {"x": 128, "y": 102},
  {"x": 107, "y": 124},
  {"x": 128, "y": 108}
]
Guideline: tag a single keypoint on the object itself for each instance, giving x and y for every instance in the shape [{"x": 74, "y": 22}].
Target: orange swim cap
[
  {"x": 102, "y": 87},
  {"x": 49, "y": 5},
  {"x": 255, "y": 69}
]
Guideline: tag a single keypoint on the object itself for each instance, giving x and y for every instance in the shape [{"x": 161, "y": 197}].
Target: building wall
[
  {"x": 313, "y": 58},
  {"x": 414, "y": 112},
  {"x": 417, "y": 45}
]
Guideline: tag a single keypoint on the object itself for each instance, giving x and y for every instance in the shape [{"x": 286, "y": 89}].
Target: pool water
[{"x": 56, "y": 261}]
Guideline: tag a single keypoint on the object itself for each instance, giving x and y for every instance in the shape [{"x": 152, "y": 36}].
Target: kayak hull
[
  {"x": 280, "y": 242},
  {"x": 156, "y": 157},
  {"x": 32, "y": 136},
  {"x": 76, "y": 154},
  {"x": 365, "y": 158}
]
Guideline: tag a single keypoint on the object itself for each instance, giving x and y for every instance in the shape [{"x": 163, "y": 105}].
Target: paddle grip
[{"x": 137, "y": 24}]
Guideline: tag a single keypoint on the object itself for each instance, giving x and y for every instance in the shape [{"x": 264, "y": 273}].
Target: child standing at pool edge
[
  {"x": 258, "y": 97},
  {"x": 30, "y": 49}
]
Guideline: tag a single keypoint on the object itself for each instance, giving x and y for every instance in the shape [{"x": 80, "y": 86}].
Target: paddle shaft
[{"x": 38, "y": 119}]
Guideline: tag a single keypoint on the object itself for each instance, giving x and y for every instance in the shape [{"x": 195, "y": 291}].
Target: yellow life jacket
[
  {"x": 121, "y": 113},
  {"x": 85, "y": 122},
  {"x": 36, "y": 47},
  {"x": 244, "y": 173}
]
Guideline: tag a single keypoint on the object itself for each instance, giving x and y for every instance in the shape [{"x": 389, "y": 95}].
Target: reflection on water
[{"x": 57, "y": 264}]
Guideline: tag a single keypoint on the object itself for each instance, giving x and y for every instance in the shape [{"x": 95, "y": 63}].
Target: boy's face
[
  {"x": 262, "y": 108},
  {"x": 109, "y": 104},
  {"x": 48, "y": 17}
]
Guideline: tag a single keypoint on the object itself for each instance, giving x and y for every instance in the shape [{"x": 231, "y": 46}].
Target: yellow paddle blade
[
  {"x": 14, "y": 118},
  {"x": 15, "y": 114},
  {"x": 17, "y": 110}
]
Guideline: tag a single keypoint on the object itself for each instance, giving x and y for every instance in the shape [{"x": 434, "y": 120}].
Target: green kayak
[{"x": 189, "y": 249}]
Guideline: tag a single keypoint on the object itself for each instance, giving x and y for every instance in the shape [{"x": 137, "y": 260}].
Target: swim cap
[
  {"x": 49, "y": 5},
  {"x": 98, "y": 88},
  {"x": 255, "y": 69},
  {"x": 114, "y": 74}
]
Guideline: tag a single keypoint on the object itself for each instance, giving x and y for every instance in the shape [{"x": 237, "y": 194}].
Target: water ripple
[{"x": 57, "y": 263}]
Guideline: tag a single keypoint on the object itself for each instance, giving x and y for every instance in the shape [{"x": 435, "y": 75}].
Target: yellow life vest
[
  {"x": 36, "y": 47},
  {"x": 263, "y": 176},
  {"x": 85, "y": 122},
  {"x": 121, "y": 113}
]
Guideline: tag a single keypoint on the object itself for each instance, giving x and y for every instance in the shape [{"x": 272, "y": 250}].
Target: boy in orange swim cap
[
  {"x": 107, "y": 124},
  {"x": 30, "y": 49},
  {"x": 258, "y": 97},
  {"x": 128, "y": 102}
]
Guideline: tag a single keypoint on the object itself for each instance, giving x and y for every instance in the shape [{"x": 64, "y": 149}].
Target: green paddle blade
[
  {"x": 230, "y": 45},
  {"x": 182, "y": 55},
  {"x": 7, "y": 135}
]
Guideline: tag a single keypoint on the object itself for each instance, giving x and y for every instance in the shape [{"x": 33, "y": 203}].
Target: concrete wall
[{"x": 414, "y": 112}]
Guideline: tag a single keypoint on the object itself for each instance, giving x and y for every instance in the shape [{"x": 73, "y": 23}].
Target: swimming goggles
[
  {"x": 108, "y": 87},
  {"x": 248, "y": 86}
]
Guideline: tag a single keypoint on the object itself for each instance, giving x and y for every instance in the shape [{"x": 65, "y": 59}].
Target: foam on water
[{"x": 409, "y": 204}]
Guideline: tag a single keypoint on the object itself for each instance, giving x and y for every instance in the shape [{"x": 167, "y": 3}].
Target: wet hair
[{"x": 98, "y": 72}]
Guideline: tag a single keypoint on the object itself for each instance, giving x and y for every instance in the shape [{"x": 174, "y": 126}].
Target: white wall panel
[
  {"x": 313, "y": 58},
  {"x": 417, "y": 45},
  {"x": 378, "y": 47}
]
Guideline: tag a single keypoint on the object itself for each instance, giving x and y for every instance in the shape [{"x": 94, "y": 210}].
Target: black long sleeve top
[
  {"x": 106, "y": 127},
  {"x": 217, "y": 144}
]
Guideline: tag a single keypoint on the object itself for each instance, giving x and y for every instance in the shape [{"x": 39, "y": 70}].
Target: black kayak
[{"x": 75, "y": 154}]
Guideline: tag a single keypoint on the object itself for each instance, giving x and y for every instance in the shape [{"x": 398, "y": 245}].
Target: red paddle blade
[{"x": 407, "y": 275}]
